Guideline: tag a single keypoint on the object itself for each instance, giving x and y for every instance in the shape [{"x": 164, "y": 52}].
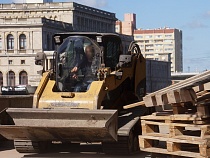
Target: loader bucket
[{"x": 60, "y": 125}]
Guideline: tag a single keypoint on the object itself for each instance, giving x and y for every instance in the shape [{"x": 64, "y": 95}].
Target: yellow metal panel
[{"x": 88, "y": 100}]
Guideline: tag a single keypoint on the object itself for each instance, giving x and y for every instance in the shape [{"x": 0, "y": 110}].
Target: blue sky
[{"x": 190, "y": 16}]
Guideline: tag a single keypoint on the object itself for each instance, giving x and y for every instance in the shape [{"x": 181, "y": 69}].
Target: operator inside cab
[{"x": 79, "y": 60}]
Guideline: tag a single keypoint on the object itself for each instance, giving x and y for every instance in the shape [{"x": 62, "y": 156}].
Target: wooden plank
[
  {"x": 188, "y": 83},
  {"x": 203, "y": 98},
  {"x": 141, "y": 103},
  {"x": 177, "y": 153},
  {"x": 161, "y": 99},
  {"x": 156, "y": 118},
  {"x": 166, "y": 139},
  {"x": 201, "y": 93},
  {"x": 185, "y": 82},
  {"x": 173, "y": 118},
  {"x": 178, "y": 108},
  {"x": 150, "y": 127},
  {"x": 174, "y": 146},
  {"x": 202, "y": 87},
  {"x": 150, "y": 101},
  {"x": 173, "y": 96},
  {"x": 182, "y": 131},
  {"x": 171, "y": 146},
  {"x": 203, "y": 110},
  {"x": 199, "y": 88}
]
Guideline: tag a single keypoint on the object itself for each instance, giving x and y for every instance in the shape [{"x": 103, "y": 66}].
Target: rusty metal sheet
[{"x": 61, "y": 124}]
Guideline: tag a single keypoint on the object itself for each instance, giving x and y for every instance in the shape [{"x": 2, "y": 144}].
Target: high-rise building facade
[{"x": 163, "y": 44}]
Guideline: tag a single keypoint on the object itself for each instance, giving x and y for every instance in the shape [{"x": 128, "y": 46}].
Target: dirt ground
[{"x": 84, "y": 151}]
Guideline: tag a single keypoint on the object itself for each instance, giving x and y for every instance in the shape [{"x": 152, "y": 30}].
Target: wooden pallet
[
  {"x": 171, "y": 146},
  {"x": 169, "y": 117},
  {"x": 178, "y": 131},
  {"x": 184, "y": 91},
  {"x": 171, "y": 96}
]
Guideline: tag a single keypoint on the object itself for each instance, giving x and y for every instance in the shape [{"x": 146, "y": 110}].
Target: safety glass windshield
[{"x": 78, "y": 60}]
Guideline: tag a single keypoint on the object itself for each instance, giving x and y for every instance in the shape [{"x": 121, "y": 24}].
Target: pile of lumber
[{"x": 183, "y": 128}]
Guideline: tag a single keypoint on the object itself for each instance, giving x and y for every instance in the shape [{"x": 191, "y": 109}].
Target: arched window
[
  {"x": 1, "y": 78},
  {"x": 23, "y": 78},
  {"x": 11, "y": 78},
  {"x": 10, "y": 42},
  {"x": 22, "y": 41}
]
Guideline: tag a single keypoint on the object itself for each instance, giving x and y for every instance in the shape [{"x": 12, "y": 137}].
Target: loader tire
[
  {"x": 28, "y": 146},
  {"x": 125, "y": 145}
]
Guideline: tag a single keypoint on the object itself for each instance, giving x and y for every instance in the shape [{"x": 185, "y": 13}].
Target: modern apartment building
[
  {"x": 27, "y": 28},
  {"x": 163, "y": 44}
]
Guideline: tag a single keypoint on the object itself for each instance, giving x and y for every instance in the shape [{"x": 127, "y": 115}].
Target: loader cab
[
  {"x": 74, "y": 70},
  {"x": 77, "y": 61}
]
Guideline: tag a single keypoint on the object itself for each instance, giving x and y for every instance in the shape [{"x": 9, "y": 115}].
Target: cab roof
[{"x": 92, "y": 35}]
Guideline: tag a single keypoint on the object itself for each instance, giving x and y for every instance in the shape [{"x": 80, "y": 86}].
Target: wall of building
[
  {"x": 37, "y": 1},
  {"x": 38, "y": 32},
  {"x": 162, "y": 44},
  {"x": 158, "y": 75},
  {"x": 127, "y": 26},
  {"x": 38, "y": 22},
  {"x": 82, "y": 18}
]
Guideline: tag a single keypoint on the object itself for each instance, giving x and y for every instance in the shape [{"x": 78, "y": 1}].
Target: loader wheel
[
  {"x": 124, "y": 146},
  {"x": 133, "y": 143},
  {"x": 28, "y": 146}
]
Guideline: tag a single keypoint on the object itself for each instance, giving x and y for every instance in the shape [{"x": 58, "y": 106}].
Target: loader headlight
[{"x": 57, "y": 39}]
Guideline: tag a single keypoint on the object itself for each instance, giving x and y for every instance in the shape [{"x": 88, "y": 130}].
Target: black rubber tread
[
  {"x": 28, "y": 146},
  {"x": 125, "y": 145}
]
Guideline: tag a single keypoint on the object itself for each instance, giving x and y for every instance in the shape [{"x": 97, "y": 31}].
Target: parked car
[
  {"x": 14, "y": 90},
  {"x": 20, "y": 88}
]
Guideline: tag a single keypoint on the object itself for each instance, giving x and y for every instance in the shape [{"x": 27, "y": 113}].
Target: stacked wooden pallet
[
  {"x": 175, "y": 135},
  {"x": 183, "y": 130}
]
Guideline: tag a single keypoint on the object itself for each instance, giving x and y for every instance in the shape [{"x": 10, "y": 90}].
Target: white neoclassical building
[
  {"x": 19, "y": 42},
  {"x": 27, "y": 28}
]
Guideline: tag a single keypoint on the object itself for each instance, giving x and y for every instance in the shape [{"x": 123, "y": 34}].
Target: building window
[
  {"x": 22, "y": 62},
  {"x": 22, "y": 40},
  {"x": 48, "y": 42},
  {"x": 10, "y": 62},
  {"x": 23, "y": 78},
  {"x": 1, "y": 78},
  {"x": 148, "y": 36},
  {"x": 138, "y": 36},
  {"x": 158, "y": 45},
  {"x": 10, "y": 42},
  {"x": 158, "y": 36},
  {"x": 168, "y": 35},
  {"x": 11, "y": 78},
  {"x": 168, "y": 40}
]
